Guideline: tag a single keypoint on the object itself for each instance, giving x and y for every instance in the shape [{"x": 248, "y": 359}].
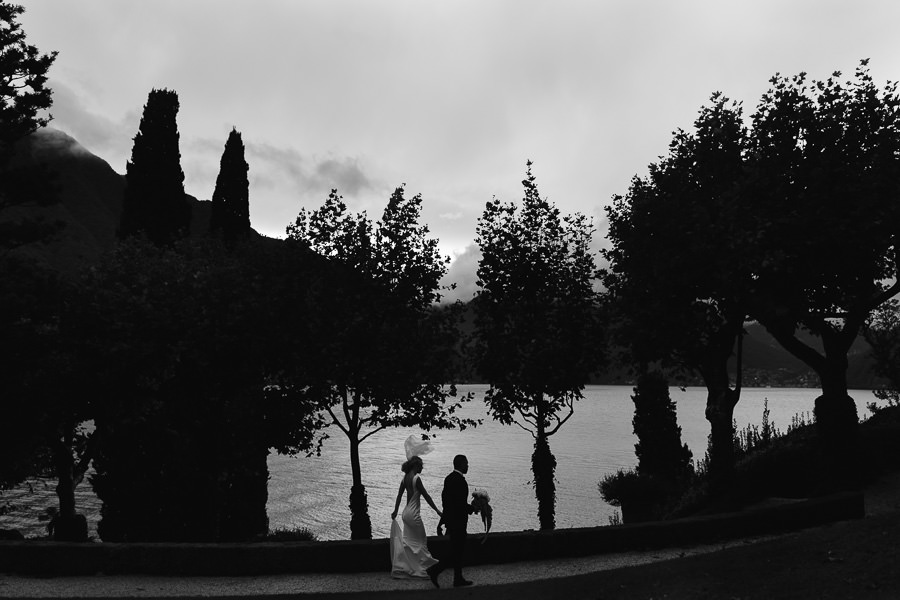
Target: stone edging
[{"x": 55, "y": 558}]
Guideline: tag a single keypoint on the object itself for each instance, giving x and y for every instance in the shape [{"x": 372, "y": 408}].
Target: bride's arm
[
  {"x": 428, "y": 499},
  {"x": 397, "y": 504}
]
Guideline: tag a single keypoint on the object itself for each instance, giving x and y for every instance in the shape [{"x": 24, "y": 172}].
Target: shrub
[{"x": 296, "y": 534}]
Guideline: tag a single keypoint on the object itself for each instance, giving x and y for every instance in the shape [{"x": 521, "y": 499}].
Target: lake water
[{"x": 598, "y": 439}]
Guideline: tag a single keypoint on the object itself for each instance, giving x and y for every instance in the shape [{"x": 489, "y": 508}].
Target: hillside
[{"x": 88, "y": 194}]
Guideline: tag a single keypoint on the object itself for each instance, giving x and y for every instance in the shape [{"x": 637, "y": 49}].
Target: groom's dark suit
[{"x": 456, "y": 511}]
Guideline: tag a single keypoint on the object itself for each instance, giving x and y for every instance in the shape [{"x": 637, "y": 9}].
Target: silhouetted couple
[{"x": 409, "y": 551}]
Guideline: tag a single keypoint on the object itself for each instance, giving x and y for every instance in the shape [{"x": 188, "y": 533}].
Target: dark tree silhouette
[
  {"x": 154, "y": 203},
  {"x": 23, "y": 78},
  {"x": 536, "y": 319},
  {"x": 659, "y": 449},
  {"x": 664, "y": 462},
  {"x": 379, "y": 349},
  {"x": 792, "y": 222},
  {"x": 181, "y": 343},
  {"x": 679, "y": 258},
  {"x": 824, "y": 175},
  {"x": 23, "y": 95},
  {"x": 230, "y": 215}
]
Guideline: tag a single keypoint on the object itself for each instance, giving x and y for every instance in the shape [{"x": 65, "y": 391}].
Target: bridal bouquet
[{"x": 481, "y": 502}]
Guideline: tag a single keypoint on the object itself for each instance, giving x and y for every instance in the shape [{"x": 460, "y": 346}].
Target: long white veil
[{"x": 417, "y": 445}]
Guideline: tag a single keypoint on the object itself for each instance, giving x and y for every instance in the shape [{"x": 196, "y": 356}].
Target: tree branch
[
  {"x": 335, "y": 421},
  {"x": 371, "y": 433}
]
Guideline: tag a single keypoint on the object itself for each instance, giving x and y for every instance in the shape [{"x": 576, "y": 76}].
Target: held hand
[
  {"x": 440, "y": 529},
  {"x": 393, "y": 515}
]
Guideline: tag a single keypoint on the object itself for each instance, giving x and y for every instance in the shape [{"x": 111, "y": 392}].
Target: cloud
[
  {"x": 462, "y": 272},
  {"x": 272, "y": 166},
  {"x": 108, "y": 138}
]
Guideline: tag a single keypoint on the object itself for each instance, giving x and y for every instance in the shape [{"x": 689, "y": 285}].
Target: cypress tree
[
  {"x": 230, "y": 202},
  {"x": 154, "y": 202}
]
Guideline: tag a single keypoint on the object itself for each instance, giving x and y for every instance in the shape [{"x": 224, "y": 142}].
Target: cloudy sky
[{"x": 450, "y": 98}]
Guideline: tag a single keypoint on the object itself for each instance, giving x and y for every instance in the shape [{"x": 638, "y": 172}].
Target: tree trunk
[
  {"x": 360, "y": 524},
  {"x": 720, "y": 403},
  {"x": 67, "y": 526},
  {"x": 836, "y": 416},
  {"x": 543, "y": 465},
  {"x": 837, "y": 423}
]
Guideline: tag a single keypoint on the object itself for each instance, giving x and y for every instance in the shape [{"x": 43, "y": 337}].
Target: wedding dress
[{"x": 409, "y": 548}]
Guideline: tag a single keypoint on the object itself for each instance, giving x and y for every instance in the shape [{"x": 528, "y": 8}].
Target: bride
[{"x": 409, "y": 549}]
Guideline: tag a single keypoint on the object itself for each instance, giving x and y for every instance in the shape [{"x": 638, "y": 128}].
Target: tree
[
  {"x": 664, "y": 463},
  {"x": 230, "y": 201},
  {"x": 184, "y": 345},
  {"x": 659, "y": 450},
  {"x": 791, "y": 222},
  {"x": 824, "y": 172},
  {"x": 23, "y": 95},
  {"x": 536, "y": 320},
  {"x": 680, "y": 260},
  {"x": 378, "y": 346},
  {"x": 23, "y": 78},
  {"x": 44, "y": 406},
  {"x": 154, "y": 202}
]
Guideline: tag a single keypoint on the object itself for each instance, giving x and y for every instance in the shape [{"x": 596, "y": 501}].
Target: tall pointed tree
[
  {"x": 154, "y": 202},
  {"x": 230, "y": 216},
  {"x": 536, "y": 316}
]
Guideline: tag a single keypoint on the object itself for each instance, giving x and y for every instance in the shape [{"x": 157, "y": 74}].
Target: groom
[{"x": 456, "y": 511}]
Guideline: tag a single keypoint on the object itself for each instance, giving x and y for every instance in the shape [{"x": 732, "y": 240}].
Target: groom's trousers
[{"x": 457, "y": 548}]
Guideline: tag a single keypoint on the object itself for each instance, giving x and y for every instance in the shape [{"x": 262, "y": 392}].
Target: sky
[{"x": 449, "y": 98}]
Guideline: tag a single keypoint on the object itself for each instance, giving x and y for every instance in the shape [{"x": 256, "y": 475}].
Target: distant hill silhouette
[{"x": 89, "y": 201}]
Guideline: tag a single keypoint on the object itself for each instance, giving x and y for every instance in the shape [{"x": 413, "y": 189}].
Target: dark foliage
[
  {"x": 678, "y": 274},
  {"x": 825, "y": 162},
  {"x": 757, "y": 223},
  {"x": 184, "y": 343},
  {"x": 29, "y": 312},
  {"x": 23, "y": 95},
  {"x": 543, "y": 465},
  {"x": 659, "y": 450},
  {"x": 154, "y": 203},
  {"x": 664, "y": 463},
  {"x": 23, "y": 78}
]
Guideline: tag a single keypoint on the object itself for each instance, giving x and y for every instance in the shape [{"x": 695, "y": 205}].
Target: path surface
[{"x": 569, "y": 578}]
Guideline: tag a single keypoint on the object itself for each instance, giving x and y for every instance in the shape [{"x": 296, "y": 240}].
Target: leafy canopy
[{"x": 535, "y": 310}]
